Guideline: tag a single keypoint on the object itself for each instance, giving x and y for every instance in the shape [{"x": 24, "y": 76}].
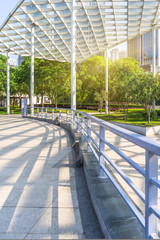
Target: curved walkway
[{"x": 38, "y": 188}]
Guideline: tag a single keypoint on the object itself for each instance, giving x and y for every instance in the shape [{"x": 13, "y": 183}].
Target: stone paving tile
[
  {"x": 18, "y": 220},
  {"x": 54, "y": 236},
  {"x": 36, "y": 165},
  {"x": 67, "y": 198},
  {"x": 59, "y": 220},
  {"x": 8, "y": 194},
  {"x": 12, "y": 236}
]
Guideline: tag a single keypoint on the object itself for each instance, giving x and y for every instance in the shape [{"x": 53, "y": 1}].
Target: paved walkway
[{"x": 38, "y": 192}]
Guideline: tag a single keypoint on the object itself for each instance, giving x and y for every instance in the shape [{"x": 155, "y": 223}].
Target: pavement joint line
[{"x": 69, "y": 184}]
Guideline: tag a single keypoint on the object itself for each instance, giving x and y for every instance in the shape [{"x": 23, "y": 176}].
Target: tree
[
  {"x": 13, "y": 84},
  {"x": 58, "y": 80},
  {"x": 124, "y": 70},
  {"x": 91, "y": 76},
  {"x": 144, "y": 88},
  {"x": 84, "y": 82},
  {"x": 42, "y": 78},
  {"x": 22, "y": 78},
  {"x": 3, "y": 78}
]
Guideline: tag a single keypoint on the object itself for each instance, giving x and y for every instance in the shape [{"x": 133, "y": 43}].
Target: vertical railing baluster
[
  {"x": 46, "y": 113},
  {"x": 59, "y": 115},
  {"x": 67, "y": 117},
  {"x": 77, "y": 122},
  {"x": 82, "y": 126},
  {"x": 101, "y": 149},
  {"x": 52, "y": 114},
  {"x": 72, "y": 117},
  {"x": 151, "y": 194},
  {"x": 88, "y": 135},
  {"x": 41, "y": 112},
  {"x": 37, "y": 112}
]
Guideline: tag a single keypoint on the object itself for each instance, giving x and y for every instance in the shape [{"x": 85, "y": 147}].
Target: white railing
[{"x": 82, "y": 123}]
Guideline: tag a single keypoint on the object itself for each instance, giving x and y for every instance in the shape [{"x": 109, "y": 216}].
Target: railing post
[
  {"x": 46, "y": 113},
  {"x": 82, "y": 127},
  {"x": 77, "y": 122},
  {"x": 25, "y": 111},
  {"x": 41, "y": 112},
  {"x": 37, "y": 112},
  {"x": 88, "y": 135},
  {"x": 151, "y": 194},
  {"x": 67, "y": 117},
  {"x": 59, "y": 115},
  {"x": 72, "y": 117},
  {"x": 101, "y": 149},
  {"x": 52, "y": 114}
]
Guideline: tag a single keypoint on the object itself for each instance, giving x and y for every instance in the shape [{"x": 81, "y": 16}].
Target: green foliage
[
  {"x": 144, "y": 89},
  {"x": 58, "y": 81},
  {"x": 134, "y": 116},
  {"x": 91, "y": 80},
  {"x": 3, "y": 77},
  {"x": 22, "y": 77},
  {"x": 123, "y": 71},
  {"x": 129, "y": 85},
  {"x": 153, "y": 115}
]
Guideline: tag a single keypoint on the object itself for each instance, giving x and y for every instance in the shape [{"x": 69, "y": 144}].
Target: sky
[{"x": 6, "y": 6}]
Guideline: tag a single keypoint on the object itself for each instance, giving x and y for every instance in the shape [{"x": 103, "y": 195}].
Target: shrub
[{"x": 153, "y": 115}]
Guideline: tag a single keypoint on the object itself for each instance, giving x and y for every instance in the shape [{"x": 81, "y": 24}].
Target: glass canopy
[{"x": 98, "y": 23}]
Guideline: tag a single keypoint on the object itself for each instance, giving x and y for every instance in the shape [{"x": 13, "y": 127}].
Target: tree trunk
[
  {"x": 13, "y": 101},
  {"x": 29, "y": 100},
  {"x": 56, "y": 100},
  {"x": 149, "y": 116},
  {"x": 20, "y": 98},
  {"x": 42, "y": 103},
  {"x": 109, "y": 107}
]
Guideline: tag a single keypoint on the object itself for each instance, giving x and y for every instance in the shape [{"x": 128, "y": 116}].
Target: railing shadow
[{"x": 34, "y": 186}]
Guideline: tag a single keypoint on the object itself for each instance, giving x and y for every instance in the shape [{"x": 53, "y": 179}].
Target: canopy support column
[
  {"x": 154, "y": 60},
  {"x": 73, "y": 57},
  {"x": 8, "y": 85},
  {"x": 106, "y": 80},
  {"x": 158, "y": 49},
  {"x": 32, "y": 72}
]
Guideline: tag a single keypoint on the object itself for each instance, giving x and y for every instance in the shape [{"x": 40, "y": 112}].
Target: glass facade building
[{"x": 141, "y": 48}]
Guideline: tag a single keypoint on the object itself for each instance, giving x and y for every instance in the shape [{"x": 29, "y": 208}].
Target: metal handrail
[{"x": 152, "y": 149}]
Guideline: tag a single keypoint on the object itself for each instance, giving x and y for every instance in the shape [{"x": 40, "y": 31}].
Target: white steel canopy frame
[{"x": 97, "y": 22}]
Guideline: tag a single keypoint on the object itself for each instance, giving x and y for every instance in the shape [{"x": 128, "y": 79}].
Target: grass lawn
[
  {"x": 87, "y": 111},
  {"x": 134, "y": 116},
  {"x": 13, "y": 110}
]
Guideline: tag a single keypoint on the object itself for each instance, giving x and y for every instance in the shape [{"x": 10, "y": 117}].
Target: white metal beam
[
  {"x": 154, "y": 51},
  {"x": 112, "y": 21},
  {"x": 73, "y": 56},
  {"x": 8, "y": 84},
  {"x": 32, "y": 71},
  {"x": 106, "y": 81},
  {"x": 154, "y": 58}
]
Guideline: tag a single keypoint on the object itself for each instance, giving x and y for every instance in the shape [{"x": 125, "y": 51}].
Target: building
[
  {"x": 141, "y": 49},
  {"x": 13, "y": 63},
  {"x": 116, "y": 54},
  {"x": 20, "y": 60}
]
